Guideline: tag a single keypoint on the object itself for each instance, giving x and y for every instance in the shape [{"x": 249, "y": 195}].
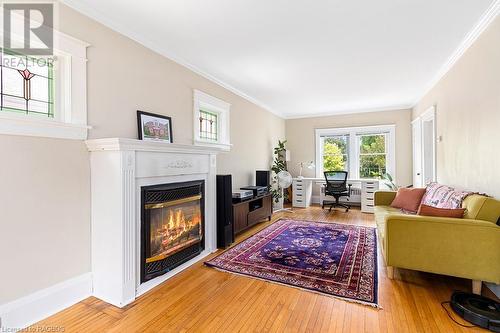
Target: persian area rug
[{"x": 338, "y": 260}]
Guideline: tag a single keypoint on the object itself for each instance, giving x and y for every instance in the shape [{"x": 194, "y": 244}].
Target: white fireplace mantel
[
  {"x": 119, "y": 168},
  {"x": 108, "y": 144}
]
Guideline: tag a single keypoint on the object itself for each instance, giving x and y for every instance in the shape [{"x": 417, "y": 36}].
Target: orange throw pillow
[
  {"x": 408, "y": 199},
  {"x": 441, "y": 212}
]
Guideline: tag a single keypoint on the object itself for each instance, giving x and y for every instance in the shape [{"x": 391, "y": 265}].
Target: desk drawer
[
  {"x": 367, "y": 201},
  {"x": 367, "y": 209}
]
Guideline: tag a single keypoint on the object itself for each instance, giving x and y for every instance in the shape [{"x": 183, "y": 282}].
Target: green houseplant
[
  {"x": 388, "y": 180},
  {"x": 279, "y": 164}
]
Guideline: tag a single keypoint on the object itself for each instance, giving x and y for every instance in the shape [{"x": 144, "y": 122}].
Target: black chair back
[{"x": 336, "y": 181}]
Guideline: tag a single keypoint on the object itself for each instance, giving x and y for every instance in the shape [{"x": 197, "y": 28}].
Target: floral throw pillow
[{"x": 442, "y": 196}]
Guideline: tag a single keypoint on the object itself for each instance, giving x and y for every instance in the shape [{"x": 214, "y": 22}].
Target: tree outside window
[
  {"x": 372, "y": 156},
  {"x": 335, "y": 153}
]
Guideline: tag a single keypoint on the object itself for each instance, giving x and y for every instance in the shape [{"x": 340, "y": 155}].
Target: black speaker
[
  {"x": 263, "y": 178},
  {"x": 225, "y": 230}
]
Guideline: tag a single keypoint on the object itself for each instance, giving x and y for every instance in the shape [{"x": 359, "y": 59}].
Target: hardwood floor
[{"x": 202, "y": 299}]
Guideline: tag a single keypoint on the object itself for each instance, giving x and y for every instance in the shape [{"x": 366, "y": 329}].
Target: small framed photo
[{"x": 154, "y": 127}]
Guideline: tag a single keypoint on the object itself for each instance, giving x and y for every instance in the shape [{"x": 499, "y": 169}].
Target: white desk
[{"x": 302, "y": 192}]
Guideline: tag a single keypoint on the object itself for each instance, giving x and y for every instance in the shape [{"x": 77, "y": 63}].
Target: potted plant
[
  {"x": 279, "y": 164},
  {"x": 389, "y": 182}
]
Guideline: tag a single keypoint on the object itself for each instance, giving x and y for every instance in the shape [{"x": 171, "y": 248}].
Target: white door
[{"x": 417, "y": 153}]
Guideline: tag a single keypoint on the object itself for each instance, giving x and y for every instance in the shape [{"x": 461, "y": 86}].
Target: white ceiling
[{"x": 302, "y": 58}]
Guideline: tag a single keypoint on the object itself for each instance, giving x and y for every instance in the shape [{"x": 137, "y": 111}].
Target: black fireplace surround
[{"x": 172, "y": 226}]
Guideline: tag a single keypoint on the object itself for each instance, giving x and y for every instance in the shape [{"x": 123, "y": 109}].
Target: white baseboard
[{"x": 30, "y": 309}]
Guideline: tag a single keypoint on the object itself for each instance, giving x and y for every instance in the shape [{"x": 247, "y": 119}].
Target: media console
[{"x": 250, "y": 212}]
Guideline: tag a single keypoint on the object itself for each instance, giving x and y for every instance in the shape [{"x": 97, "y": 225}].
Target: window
[
  {"x": 211, "y": 121},
  {"x": 372, "y": 155},
  {"x": 27, "y": 84},
  {"x": 365, "y": 152},
  {"x": 208, "y": 125},
  {"x": 44, "y": 96},
  {"x": 335, "y": 153}
]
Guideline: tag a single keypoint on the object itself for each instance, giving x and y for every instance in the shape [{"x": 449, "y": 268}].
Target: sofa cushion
[
  {"x": 380, "y": 214},
  {"x": 382, "y": 211},
  {"x": 480, "y": 207},
  {"x": 425, "y": 210},
  {"x": 408, "y": 199}
]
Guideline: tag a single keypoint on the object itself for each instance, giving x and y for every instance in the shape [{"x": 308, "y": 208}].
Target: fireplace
[{"x": 172, "y": 226}]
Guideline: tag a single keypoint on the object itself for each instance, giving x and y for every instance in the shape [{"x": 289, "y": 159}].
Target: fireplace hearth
[{"x": 172, "y": 226}]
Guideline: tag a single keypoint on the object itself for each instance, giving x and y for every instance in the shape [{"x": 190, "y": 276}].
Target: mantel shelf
[{"x": 120, "y": 144}]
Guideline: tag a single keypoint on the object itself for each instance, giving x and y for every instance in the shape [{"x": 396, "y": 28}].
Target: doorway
[{"x": 424, "y": 148}]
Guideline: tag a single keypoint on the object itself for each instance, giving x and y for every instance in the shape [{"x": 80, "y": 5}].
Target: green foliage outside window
[
  {"x": 372, "y": 157},
  {"x": 372, "y": 154},
  {"x": 335, "y": 153}
]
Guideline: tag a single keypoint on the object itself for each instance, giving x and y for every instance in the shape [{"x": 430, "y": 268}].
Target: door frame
[
  {"x": 416, "y": 138},
  {"x": 428, "y": 115}
]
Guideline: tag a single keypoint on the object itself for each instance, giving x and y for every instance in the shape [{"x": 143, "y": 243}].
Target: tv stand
[{"x": 248, "y": 213}]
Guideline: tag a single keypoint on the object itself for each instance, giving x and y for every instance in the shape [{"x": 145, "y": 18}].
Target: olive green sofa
[{"x": 467, "y": 248}]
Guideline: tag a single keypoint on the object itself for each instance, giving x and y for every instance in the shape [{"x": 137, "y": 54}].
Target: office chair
[{"x": 336, "y": 186}]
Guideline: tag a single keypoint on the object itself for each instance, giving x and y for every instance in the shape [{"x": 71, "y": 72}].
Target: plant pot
[{"x": 277, "y": 205}]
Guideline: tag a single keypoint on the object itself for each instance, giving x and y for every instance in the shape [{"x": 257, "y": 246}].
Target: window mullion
[
  {"x": 321, "y": 155},
  {"x": 353, "y": 156}
]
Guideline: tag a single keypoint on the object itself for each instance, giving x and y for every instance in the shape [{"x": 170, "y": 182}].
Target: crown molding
[
  {"x": 398, "y": 107},
  {"x": 484, "y": 22},
  {"x": 103, "y": 19}
]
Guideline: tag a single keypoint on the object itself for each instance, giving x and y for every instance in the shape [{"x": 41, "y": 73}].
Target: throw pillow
[
  {"x": 441, "y": 212},
  {"x": 408, "y": 199},
  {"x": 442, "y": 196}
]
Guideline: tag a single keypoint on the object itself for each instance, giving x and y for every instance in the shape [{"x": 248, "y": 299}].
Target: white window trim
[
  {"x": 354, "y": 147},
  {"x": 202, "y": 100},
  {"x": 70, "y": 109}
]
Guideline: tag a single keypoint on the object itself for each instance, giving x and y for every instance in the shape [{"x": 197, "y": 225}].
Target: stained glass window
[
  {"x": 27, "y": 84},
  {"x": 208, "y": 125}
]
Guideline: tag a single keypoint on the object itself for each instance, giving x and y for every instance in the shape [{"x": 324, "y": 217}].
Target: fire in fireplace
[{"x": 172, "y": 228}]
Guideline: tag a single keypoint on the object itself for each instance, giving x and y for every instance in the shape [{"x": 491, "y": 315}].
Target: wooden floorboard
[{"x": 202, "y": 299}]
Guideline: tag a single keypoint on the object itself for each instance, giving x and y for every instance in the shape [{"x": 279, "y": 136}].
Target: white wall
[{"x": 467, "y": 103}]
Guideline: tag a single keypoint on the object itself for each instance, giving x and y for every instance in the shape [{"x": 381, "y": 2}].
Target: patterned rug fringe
[{"x": 350, "y": 300}]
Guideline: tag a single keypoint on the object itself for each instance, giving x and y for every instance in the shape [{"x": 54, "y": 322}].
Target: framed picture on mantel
[{"x": 154, "y": 127}]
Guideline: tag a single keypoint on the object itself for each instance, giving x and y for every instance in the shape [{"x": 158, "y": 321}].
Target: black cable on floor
[{"x": 449, "y": 315}]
